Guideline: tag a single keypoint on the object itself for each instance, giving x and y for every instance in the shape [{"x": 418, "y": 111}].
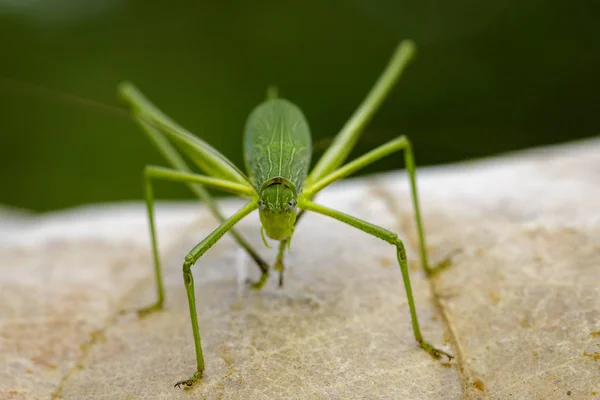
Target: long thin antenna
[{"x": 54, "y": 95}]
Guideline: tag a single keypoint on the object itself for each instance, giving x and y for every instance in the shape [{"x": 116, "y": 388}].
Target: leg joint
[
  {"x": 404, "y": 139},
  {"x": 188, "y": 262},
  {"x": 148, "y": 174},
  {"x": 148, "y": 171},
  {"x": 400, "y": 246}
]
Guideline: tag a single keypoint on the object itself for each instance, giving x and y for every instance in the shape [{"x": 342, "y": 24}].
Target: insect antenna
[{"x": 61, "y": 97}]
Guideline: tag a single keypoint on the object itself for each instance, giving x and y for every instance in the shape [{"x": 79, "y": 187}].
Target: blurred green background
[{"x": 489, "y": 77}]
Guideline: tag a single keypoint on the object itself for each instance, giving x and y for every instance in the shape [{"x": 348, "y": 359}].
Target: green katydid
[{"x": 277, "y": 152}]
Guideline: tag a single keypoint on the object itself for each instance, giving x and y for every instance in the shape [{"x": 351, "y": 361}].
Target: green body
[
  {"x": 277, "y": 143},
  {"x": 277, "y": 152}
]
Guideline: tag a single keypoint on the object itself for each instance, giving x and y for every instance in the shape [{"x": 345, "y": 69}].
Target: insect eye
[{"x": 292, "y": 203}]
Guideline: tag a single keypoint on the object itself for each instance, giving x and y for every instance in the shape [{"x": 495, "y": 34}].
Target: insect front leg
[
  {"x": 188, "y": 280},
  {"x": 392, "y": 239},
  {"x": 279, "y": 266}
]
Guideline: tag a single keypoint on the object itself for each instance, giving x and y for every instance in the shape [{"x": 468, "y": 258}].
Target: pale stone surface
[{"x": 519, "y": 307}]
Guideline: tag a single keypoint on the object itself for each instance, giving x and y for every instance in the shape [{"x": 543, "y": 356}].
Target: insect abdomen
[{"x": 277, "y": 142}]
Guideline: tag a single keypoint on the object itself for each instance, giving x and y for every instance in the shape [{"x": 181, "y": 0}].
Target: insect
[{"x": 277, "y": 153}]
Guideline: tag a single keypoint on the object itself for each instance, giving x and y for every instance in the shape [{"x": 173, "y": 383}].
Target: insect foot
[
  {"x": 258, "y": 284},
  {"x": 188, "y": 383},
  {"x": 149, "y": 310},
  {"x": 436, "y": 353},
  {"x": 442, "y": 265}
]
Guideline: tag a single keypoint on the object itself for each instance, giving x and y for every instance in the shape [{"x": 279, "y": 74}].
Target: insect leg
[
  {"x": 150, "y": 173},
  {"x": 188, "y": 280},
  {"x": 176, "y": 161},
  {"x": 279, "y": 265},
  {"x": 345, "y": 140},
  {"x": 400, "y": 143},
  {"x": 392, "y": 239}
]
